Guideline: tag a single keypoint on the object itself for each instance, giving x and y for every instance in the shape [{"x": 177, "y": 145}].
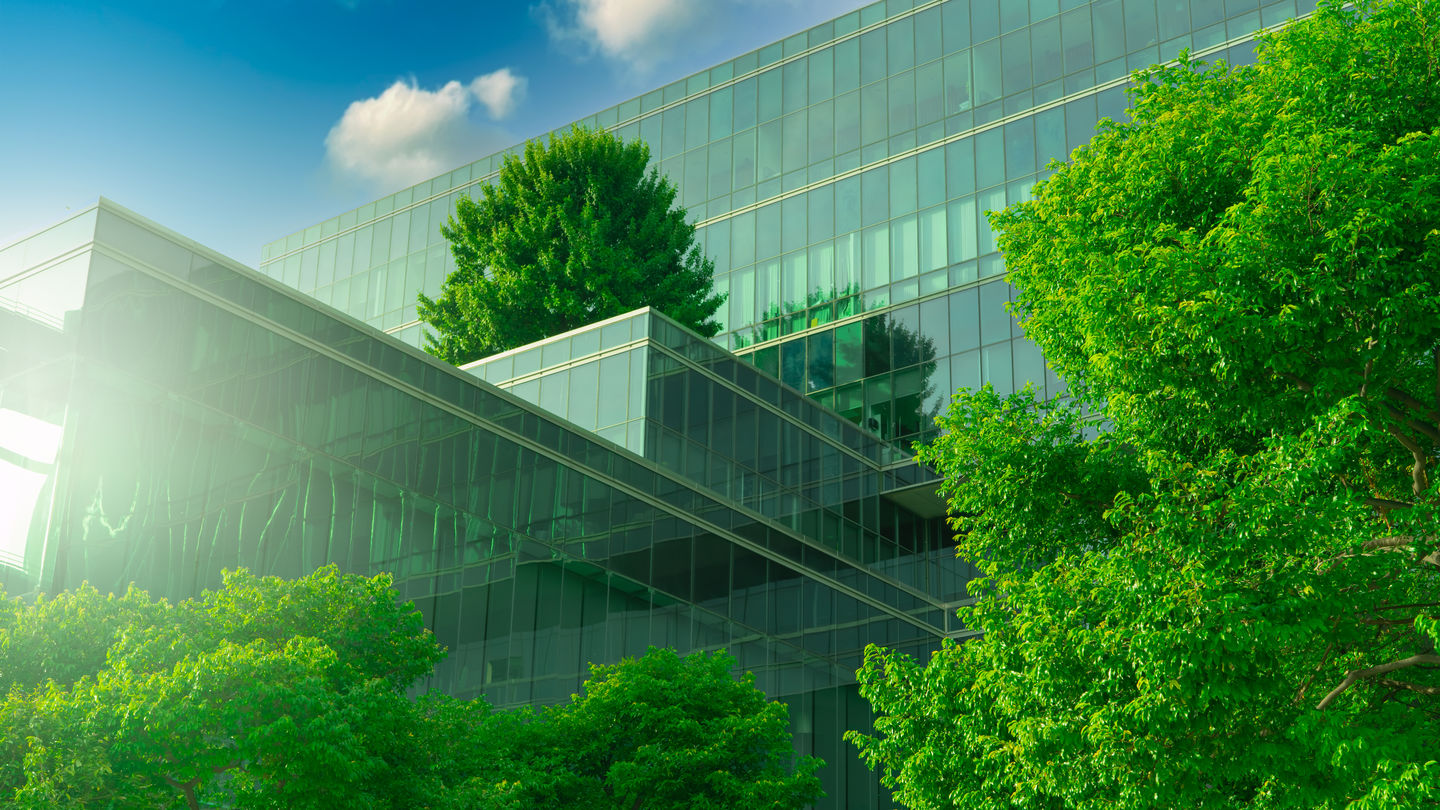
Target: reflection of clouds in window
[{"x": 26, "y": 443}]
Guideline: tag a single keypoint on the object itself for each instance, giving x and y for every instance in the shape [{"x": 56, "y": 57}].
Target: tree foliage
[
  {"x": 577, "y": 231},
  {"x": 274, "y": 693},
  {"x": 1230, "y": 597},
  {"x": 661, "y": 731}
]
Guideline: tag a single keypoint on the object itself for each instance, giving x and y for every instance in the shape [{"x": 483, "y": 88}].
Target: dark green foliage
[
  {"x": 575, "y": 232},
  {"x": 1229, "y": 598}
]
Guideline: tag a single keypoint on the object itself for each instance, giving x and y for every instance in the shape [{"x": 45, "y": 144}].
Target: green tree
[
  {"x": 1229, "y": 597},
  {"x": 663, "y": 731},
  {"x": 264, "y": 693},
  {"x": 577, "y": 231},
  {"x": 277, "y": 693}
]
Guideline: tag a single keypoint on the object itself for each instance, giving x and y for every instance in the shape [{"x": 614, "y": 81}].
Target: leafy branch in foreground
[{"x": 1230, "y": 597}]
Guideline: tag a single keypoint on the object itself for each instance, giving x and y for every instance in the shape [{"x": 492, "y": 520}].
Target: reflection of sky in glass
[
  {"x": 37, "y": 441},
  {"x": 46, "y": 296}
]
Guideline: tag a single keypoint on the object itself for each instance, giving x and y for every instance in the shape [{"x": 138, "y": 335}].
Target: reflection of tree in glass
[
  {"x": 895, "y": 402},
  {"x": 821, "y": 305},
  {"x": 876, "y": 372}
]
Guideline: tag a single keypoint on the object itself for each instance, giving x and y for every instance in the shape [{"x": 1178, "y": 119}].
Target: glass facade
[
  {"x": 839, "y": 178},
  {"x": 172, "y": 414}
]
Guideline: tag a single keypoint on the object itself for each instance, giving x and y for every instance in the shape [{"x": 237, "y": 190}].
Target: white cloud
[
  {"x": 499, "y": 91},
  {"x": 642, "y": 34},
  {"x": 408, "y": 134}
]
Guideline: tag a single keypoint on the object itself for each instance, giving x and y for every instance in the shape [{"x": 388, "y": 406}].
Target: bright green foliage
[
  {"x": 271, "y": 693},
  {"x": 575, "y": 232},
  {"x": 266, "y": 693},
  {"x": 1230, "y": 598},
  {"x": 662, "y": 731}
]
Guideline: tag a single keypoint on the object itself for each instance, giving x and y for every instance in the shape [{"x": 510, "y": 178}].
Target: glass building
[
  {"x": 839, "y": 179},
  {"x": 166, "y": 413}
]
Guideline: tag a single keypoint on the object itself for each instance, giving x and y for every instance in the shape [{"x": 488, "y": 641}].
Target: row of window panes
[
  {"x": 880, "y": 190},
  {"x": 1031, "y": 140},
  {"x": 963, "y": 320},
  {"x": 1025, "y": 56},
  {"x": 911, "y": 247},
  {"x": 901, "y": 405}
]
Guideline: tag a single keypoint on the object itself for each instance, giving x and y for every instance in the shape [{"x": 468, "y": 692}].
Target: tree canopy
[
  {"x": 577, "y": 231},
  {"x": 280, "y": 693},
  {"x": 1211, "y": 575},
  {"x": 660, "y": 731}
]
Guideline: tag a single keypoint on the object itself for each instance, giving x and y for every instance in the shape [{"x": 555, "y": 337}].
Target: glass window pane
[
  {"x": 744, "y": 104},
  {"x": 771, "y": 102},
  {"x": 1045, "y": 51},
  {"x": 847, "y": 123},
  {"x": 847, "y": 205},
  {"x": 822, "y": 75},
  {"x": 930, "y": 177},
  {"x": 902, "y": 186},
  {"x": 875, "y": 257},
  {"x": 847, "y": 66},
  {"x": 820, "y": 371},
  {"x": 720, "y": 169},
  {"x": 872, "y": 56},
  {"x": 697, "y": 122},
  {"x": 1020, "y": 147},
  {"x": 792, "y": 364},
  {"x": 849, "y": 353},
  {"x": 1015, "y": 61},
  {"x": 873, "y": 113},
  {"x": 875, "y": 194},
  {"x": 990, "y": 158},
  {"x": 821, "y": 217},
  {"x": 792, "y": 220},
  {"x": 955, "y": 26},
  {"x": 986, "y": 63},
  {"x": 767, "y": 231},
  {"x": 902, "y": 102},
  {"x": 900, "y": 44},
  {"x": 822, "y": 132},
  {"x": 1075, "y": 35},
  {"x": 964, "y": 320},
  {"x": 927, "y": 36},
  {"x": 904, "y": 247},
  {"x": 722, "y": 108},
  {"x": 934, "y": 253},
  {"x": 794, "y": 141},
  {"x": 743, "y": 173},
  {"x": 795, "y": 81},
  {"x": 672, "y": 137},
  {"x": 847, "y": 264},
  {"x": 769, "y": 151},
  {"x": 929, "y": 93},
  {"x": 994, "y": 319},
  {"x": 962, "y": 236}
]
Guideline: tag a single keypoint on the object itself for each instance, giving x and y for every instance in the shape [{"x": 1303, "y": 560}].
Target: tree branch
[
  {"x": 1385, "y": 505},
  {"x": 1420, "y": 481},
  {"x": 1411, "y": 402},
  {"x": 1413, "y": 687},
  {"x": 1356, "y": 674}
]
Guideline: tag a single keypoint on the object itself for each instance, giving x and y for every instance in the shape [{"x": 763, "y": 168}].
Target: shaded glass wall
[
  {"x": 842, "y": 171},
  {"x": 214, "y": 419}
]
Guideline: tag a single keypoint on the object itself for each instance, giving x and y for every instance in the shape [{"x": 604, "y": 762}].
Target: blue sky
[{"x": 238, "y": 123}]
